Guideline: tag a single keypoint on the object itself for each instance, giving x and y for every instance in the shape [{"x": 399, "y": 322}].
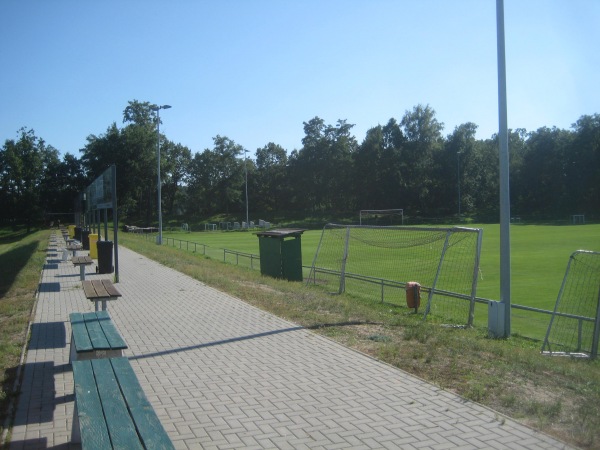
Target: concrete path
[{"x": 223, "y": 374}]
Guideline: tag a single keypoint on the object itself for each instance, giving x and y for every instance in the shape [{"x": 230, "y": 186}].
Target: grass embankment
[
  {"x": 560, "y": 396},
  {"x": 22, "y": 257}
]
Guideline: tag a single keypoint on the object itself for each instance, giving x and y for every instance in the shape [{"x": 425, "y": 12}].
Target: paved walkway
[{"x": 223, "y": 374}]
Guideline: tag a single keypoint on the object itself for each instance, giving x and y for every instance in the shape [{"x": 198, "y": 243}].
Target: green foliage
[{"x": 406, "y": 163}]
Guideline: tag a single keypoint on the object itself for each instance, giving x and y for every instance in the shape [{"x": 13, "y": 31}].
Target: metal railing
[{"x": 387, "y": 288}]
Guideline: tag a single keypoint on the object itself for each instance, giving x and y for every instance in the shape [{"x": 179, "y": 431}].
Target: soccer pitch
[{"x": 539, "y": 257}]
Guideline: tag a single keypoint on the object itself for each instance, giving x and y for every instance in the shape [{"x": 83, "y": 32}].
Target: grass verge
[
  {"x": 559, "y": 396},
  {"x": 22, "y": 257}
]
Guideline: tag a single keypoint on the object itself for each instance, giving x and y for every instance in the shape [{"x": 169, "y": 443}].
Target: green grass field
[{"x": 539, "y": 257}]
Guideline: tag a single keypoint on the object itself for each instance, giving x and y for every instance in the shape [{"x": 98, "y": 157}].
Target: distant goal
[
  {"x": 381, "y": 217},
  {"x": 377, "y": 263}
]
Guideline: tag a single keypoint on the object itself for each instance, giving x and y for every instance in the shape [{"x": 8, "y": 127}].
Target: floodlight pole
[
  {"x": 504, "y": 174},
  {"x": 159, "y": 240},
  {"x": 458, "y": 180},
  {"x": 246, "y": 171}
]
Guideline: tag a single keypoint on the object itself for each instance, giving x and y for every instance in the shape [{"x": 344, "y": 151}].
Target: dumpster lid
[{"x": 281, "y": 232}]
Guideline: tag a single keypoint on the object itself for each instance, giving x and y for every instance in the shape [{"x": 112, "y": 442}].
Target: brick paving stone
[{"x": 223, "y": 374}]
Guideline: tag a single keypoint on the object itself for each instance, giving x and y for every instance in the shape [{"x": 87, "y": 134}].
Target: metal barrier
[{"x": 387, "y": 288}]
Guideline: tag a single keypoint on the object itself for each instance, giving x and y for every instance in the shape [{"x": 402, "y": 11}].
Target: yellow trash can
[
  {"x": 71, "y": 231},
  {"x": 93, "y": 247}
]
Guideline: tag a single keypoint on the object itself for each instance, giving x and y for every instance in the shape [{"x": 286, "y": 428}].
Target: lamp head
[{"x": 156, "y": 107}]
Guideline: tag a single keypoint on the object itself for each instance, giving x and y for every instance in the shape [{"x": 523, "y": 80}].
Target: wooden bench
[
  {"x": 74, "y": 246},
  {"x": 94, "y": 335},
  {"x": 100, "y": 291},
  {"x": 111, "y": 409},
  {"x": 82, "y": 261}
]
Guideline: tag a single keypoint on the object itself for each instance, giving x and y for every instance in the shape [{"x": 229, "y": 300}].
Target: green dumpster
[{"x": 281, "y": 253}]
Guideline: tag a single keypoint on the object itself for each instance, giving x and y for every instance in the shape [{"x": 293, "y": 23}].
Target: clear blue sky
[{"x": 255, "y": 70}]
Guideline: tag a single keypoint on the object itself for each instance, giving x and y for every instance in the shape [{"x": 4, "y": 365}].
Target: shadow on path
[{"x": 245, "y": 338}]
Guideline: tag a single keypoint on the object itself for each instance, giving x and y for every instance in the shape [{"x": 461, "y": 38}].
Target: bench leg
[
  {"x": 104, "y": 305},
  {"x": 75, "y": 431},
  {"x": 82, "y": 272},
  {"x": 96, "y": 305},
  {"x": 72, "y": 352}
]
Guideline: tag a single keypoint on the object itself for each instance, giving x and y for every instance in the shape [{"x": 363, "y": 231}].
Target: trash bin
[
  {"x": 413, "y": 295},
  {"x": 85, "y": 239},
  {"x": 281, "y": 253},
  {"x": 71, "y": 230},
  {"x": 105, "y": 257},
  {"x": 93, "y": 248},
  {"x": 78, "y": 233}
]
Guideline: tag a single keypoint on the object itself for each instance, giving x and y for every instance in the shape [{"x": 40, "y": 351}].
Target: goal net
[
  {"x": 575, "y": 323},
  {"x": 377, "y": 262},
  {"x": 381, "y": 217}
]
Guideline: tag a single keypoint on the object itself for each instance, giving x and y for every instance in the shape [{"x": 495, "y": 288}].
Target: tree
[
  {"x": 539, "y": 185},
  {"x": 272, "y": 187},
  {"x": 459, "y": 170},
  {"x": 322, "y": 169},
  {"x": 377, "y": 168},
  {"x": 174, "y": 171},
  {"x": 583, "y": 166},
  {"x": 24, "y": 169},
  {"x": 424, "y": 138},
  {"x": 217, "y": 178}
]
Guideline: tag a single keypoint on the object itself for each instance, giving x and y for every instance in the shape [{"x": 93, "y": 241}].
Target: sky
[{"x": 256, "y": 70}]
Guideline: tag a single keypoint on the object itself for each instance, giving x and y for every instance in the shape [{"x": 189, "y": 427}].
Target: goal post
[
  {"x": 574, "y": 327},
  {"x": 378, "y": 262},
  {"x": 381, "y": 217}
]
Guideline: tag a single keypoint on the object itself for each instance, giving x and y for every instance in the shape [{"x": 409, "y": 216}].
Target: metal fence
[{"x": 387, "y": 291}]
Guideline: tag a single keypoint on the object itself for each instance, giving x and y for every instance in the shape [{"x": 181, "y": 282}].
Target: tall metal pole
[
  {"x": 504, "y": 174},
  {"x": 159, "y": 240},
  {"x": 246, "y": 170},
  {"x": 458, "y": 180}
]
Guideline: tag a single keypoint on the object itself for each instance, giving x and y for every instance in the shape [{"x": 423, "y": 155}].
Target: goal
[
  {"x": 575, "y": 324},
  {"x": 381, "y": 217},
  {"x": 377, "y": 263}
]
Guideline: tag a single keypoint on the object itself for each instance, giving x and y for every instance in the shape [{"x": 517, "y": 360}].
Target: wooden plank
[
  {"x": 115, "y": 341},
  {"x": 110, "y": 288},
  {"x": 120, "y": 425},
  {"x": 88, "y": 288},
  {"x": 98, "y": 289},
  {"x": 76, "y": 260},
  {"x": 80, "y": 337},
  {"x": 149, "y": 428},
  {"x": 97, "y": 337},
  {"x": 89, "y": 407}
]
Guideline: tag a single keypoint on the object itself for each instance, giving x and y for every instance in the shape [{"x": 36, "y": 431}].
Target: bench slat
[
  {"x": 121, "y": 428},
  {"x": 115, "y": 341},
  {"x": 77, "y": 260},
  {"x": 99, "y": 289},
  {"x": 81, "y": 338},
  {"x": 148, "y": 425},
  {"x": 95, "y": 332},
  {"x": 110, "y": 288},
  {"x": 89, "y": 290},
  {"x": 89, "y": 407}
]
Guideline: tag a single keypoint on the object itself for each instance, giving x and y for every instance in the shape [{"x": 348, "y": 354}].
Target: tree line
[{"x": 406, "y": 163}]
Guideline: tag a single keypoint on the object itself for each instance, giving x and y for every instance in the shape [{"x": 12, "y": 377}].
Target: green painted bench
[
  {"x": 94, "y": 335},
  {"x": 111, "y": 409}
]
